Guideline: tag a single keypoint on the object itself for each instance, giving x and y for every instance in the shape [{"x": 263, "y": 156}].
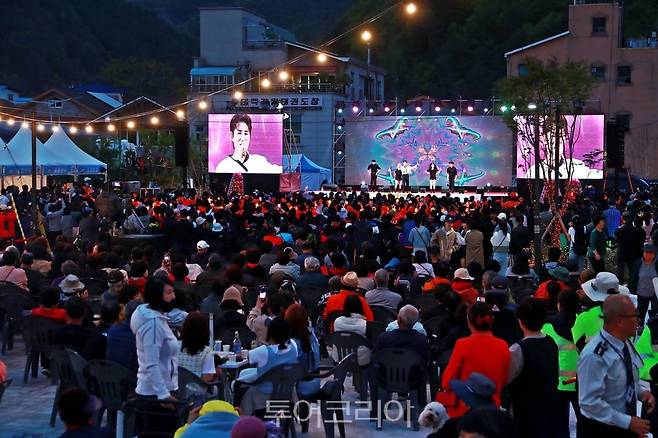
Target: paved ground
[{"x": 25, "y": 409}]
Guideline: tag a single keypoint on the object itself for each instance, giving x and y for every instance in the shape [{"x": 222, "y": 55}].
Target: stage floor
[{"x": 441, "y": 194}]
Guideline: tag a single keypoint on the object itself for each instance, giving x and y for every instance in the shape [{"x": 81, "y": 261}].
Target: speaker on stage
[{"x": 182, "y": 146}]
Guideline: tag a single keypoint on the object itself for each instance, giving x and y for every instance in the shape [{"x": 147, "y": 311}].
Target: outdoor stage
[{"x": 478, "y": 196}]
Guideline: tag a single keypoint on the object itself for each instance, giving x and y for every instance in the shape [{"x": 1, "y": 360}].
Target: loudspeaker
[
  {"x": 614, "y": 139},
  {"x": 182, "y": 146}
]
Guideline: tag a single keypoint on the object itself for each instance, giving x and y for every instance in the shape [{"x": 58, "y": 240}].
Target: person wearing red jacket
[
  {"x": 463, "y": 285},
  {"x": 480, "y": 353},
  {"x": 335, "y": 303},
  {"x": 7, "y": 223}
]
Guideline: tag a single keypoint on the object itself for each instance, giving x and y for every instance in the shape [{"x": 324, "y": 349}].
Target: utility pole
[
  {"x": 35, "y": 221},
  {"x": 537, "y": 222}
]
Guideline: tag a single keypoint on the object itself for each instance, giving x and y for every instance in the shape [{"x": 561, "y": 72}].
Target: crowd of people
[{"x": 510, "y": 344}]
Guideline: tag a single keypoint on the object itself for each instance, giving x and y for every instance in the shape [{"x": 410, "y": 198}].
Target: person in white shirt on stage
[
  {"x": 407, "y": 169},
  {"x": 241, "y": 161}
]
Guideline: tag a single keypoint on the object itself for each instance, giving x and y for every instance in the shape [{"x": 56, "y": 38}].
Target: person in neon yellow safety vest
[
  {"x": 589, "y": 323},
  {"x": 559, "y": 328}
]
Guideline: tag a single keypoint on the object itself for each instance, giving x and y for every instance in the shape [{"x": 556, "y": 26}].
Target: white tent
[{"x": 60, "y": 145}]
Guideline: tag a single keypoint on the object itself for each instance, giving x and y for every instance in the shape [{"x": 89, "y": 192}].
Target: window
[
  {"x": 599, "y": 25},
  {"x": 522, "y": 70},
  {"x": 624, "y": 121},
  {"x": 598, "y": 72},
  {"x": 55, "y": 103},
  {"x": 624, "y": 75}
]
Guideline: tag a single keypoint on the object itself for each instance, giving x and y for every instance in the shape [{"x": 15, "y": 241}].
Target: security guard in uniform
[{"x": 608, "y": 376}]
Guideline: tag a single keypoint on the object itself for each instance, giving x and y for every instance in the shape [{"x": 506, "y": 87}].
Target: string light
[
  {"x": 73, "y": 130},
  {"x": 355, "y": 109},
  {"x": 24, "y": 124},
  {"x": 89, "y": 129},
  {"x": 418, "y": 109},
  {"x": 266, "y": 83},
  {"x": 437, "y": 109},
  {"x": 411, "y": 8},
  {"x": 180, "y": 114},
  {"x": 155, "y": 120},
  {"x": 322, "y": 57},
  {"x": 283, "y": 75},
  {"x": 469, "y": 108},
  {"x": 55, "y": 128},
  {"x": 130, "y": 125},
  {"x": 237, "y": 95},
  {"x": 387, "y": 109},
  {"x": 40, "y": 127},
  {"x": 202, "y": 105},
  {"x": 10, "y": 122},
  {"x": 111, "y": 127}
]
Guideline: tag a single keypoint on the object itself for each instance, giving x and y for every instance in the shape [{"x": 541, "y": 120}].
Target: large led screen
[
  {"x": 581, "y": 148},
  {"x": 245, "y": 143},
  {"x": 480, "y": 147}
]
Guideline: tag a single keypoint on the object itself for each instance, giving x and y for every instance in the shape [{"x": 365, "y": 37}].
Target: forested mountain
[{"x": 449, "y": 48}]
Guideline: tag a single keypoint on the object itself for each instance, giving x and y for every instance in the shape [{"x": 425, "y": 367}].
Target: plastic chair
[
  {"x": 113, "y": 383},
  {"x": 3, "y": 387},
  {"x": 193, "y": 388},
  {"x": 13, "y": 303},
  {"x": 347, "y": 343},
  {"x": 283, "y": 379},
  {"x": 383, "y": 314},
  {"x": 36, "y": 335},
  {"x": 402, "y": 371},
  {"x": 331, "y": 392},
  {"x": 227, "y": 335},
  {"x": 158, "y": 421},
  {"x": 67, "y": 367}
]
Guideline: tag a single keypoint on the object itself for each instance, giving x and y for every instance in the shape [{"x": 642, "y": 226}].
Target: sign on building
[{"x": 310, "y": 102}]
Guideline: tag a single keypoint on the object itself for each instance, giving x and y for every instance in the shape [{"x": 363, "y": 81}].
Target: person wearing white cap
[
  {"x": 200, "y": 257},
  {"x": 500, "y": 241}
]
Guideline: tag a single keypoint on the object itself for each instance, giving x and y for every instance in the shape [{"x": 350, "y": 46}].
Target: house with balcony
[
  {"x": 626, "y": 70},
  {"x": 240, "y": 50}
]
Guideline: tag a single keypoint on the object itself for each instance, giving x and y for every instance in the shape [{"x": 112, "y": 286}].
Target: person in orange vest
[{"x": 7, "y": 224}]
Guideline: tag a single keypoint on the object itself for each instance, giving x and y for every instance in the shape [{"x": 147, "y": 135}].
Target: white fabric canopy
[{"x": 61, "y": 145}]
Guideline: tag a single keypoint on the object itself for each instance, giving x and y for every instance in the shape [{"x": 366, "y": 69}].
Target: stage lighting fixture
[
  {"x": 486, "y": 110},
  {"x": 503, "y": 108},
  {"x": 469, "y": 108},
  {"x": 418, "y": 109},
  {"x": 437, "y": 109},
  {"x": 513, "y": 108},
  {"x": 387, "y": 109},
  {"x": 355, "y": 109},
  {"x": 402, "y": 111},
  {"x": 371, "y": 110},
  {"x": 453, "y": 110},
  {"x": 340, "y": 111},
  {"x": 532, "y": 106}
]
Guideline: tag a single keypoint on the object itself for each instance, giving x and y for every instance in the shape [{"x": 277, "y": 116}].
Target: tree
[{"x": 549, "y": 99}]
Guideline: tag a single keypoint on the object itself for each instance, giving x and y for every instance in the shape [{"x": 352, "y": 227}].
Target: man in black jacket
[
  {"x": 630, "y": 240},
  {"x": 373, "y": 167}
]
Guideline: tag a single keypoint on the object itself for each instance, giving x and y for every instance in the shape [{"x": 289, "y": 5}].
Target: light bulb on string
[
  {"x": 202, "y": 105},
  {"x": 23, "y": 125},
  {"x": 55, "y": 128},
  {"x": 411, "y": 8},
  {"x": 237, "y": 95},
  {"x": 155, "y": 120},
  {"x": 89, "y": 129},
  {"x": 111, "y": 127},
  {"x": 322, "y": 57},
  {"x": 180, "y": 114},
  {"x": 73, "y": 130},
  {"x": 266, "y": 83},
  {"x": 10, "y": 122},
  {"x": 283, "y": 75},
  {"x": 40, "y": 127},
  {"x": 130, "y": 124}
]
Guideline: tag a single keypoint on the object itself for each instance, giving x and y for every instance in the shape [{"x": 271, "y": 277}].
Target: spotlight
[
  {"x": 180, "y": 114},
  {"x": 371, "y": 110},
  {"x": 155, "y": 120},
  {"x": 532, "y": 106},
  {"x": 418, "y": 109},
  {"x": 453, "y": 110},
  {"x": 73, "y": 130},
  {"x": 469, "y": 108},
  {"x": 402, "y": 111},
  {"x": 89, "y": 129},
  {"x": 283, "y": 75},
  {"x": 111, "y": 128},
  {"x": 387, "y": 109},
  {"x": 322, "y": 57},
  {"x": 437, "y": 109},
  {"x": 340, "y": 111},
  {"x": 265, "y": 83},
  {"x": 237, "y": 95},
  {"x": 202, "y": 105},
  {"x": 486, "y": 110},
  {"x": 355, "y": 109},
  {"x": 503, "y": 108},
  {"x": 513, "y": 108},
  {"x": 130, "y": 125}
]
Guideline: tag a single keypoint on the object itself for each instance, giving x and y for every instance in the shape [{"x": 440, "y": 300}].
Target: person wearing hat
[
  {"x": 462, "y": 283},
  {"x": 641, "y": 281},
  {"x": 71, "y": 286},
  {"x": 608, "y": 376},
  {"x": 589, "y": 323},
  {"x": 559, "y": 274},
  {"x": 232, "y": 315},
  {"x": 533, "y": 373},
  {"x": 215, "y": 418},
  {"x": 335, "y": 303},
  {"x": 559, "y": 329},
  {"x": 116, "y": 281},
  {"x": 200, "y": 257}
]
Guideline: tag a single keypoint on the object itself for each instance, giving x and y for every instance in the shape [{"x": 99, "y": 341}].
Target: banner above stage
[
  {"x": 480, "y": 147},
  {"x": 287, "y": 101}
]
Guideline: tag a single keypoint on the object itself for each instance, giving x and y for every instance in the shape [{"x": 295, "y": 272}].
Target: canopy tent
[
  {"x": 59, "y": 156},
  {"x": 312, "y": 174},
  {"x": 82, "y": 162}
]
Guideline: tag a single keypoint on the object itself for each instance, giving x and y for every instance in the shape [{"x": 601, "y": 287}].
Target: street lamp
[{"x": 366, "y": 36}]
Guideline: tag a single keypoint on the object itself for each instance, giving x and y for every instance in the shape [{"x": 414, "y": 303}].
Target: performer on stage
[
  {"x": 406, "y": 171},
  {"x": 397, "y": 176},
  {"x": 432, "y": 170},
  {"x": 373, "y": 167},
  {"x": 451, "y": 170}
]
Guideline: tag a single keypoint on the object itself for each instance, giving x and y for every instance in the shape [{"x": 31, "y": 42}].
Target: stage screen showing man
[
  {"x": 480, "y": 147},
  {"x": 245, "y": 143},
  {"x": 580, "y": 158}
]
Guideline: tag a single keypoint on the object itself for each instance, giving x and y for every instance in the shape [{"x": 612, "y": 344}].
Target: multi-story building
[
  {"x": 626, "y": 71},
  {"x": 239, "y": 49}
]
